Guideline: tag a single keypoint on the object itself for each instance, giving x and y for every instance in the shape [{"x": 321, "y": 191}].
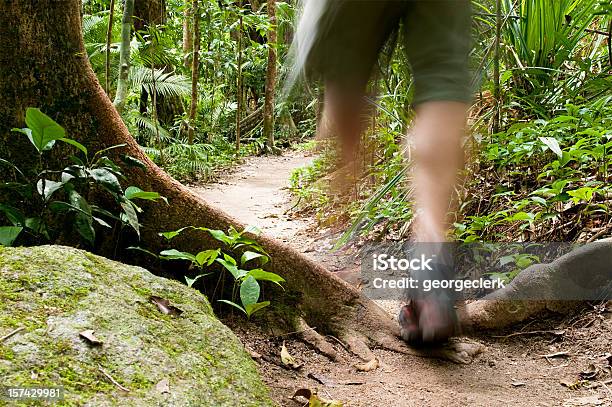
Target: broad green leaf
[
  {"x": 191, "y": 281},
  {"x": 130, "y": 216},
  {"x": 106, "y": 178},
  {"x": 171, "y": 235},
  {"x": 233, "y": 304},
  {"x": 230, "y": 267},
  {"x": 553, "y": 144},
  {"x": 220, "y": 236},
  {"x": 133, "y": 192},
  {"x": 259, "y": 274},
  {"x": 132, "y": 162},
  {"x": 207, "y": 257},
  {"x": 50, "y": 188},
  {"x": 8, "y": 234},
  {"x": 174, "y": 254},
  {"x": 249, "y": 291},
  {"x": 249, "y": 255},
  {"x": 254, "y": 230},
  {"x": 75, "y": 144},
  {"x": 13, "y": 215},
  {"x": 83, "y": 220},
  {"x": 42, "y": 130},
  {"x": 253, "y": 308}
]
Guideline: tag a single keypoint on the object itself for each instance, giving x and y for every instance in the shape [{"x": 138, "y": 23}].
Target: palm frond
[{"x": 166, "y": 83}]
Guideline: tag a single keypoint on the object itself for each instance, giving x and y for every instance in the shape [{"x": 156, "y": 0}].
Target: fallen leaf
[
  {"x": 89, "y": 335},
  {"x": 572, "y": 384},
  {"x": 590, "y": 373},
  {"x": 163, "y": 386},
  {"x": 287, "y": 359},
  {"x": 314, "y": 400},
  {"x": 367, "y": 366},
  {"x": 163, "y": 305}
]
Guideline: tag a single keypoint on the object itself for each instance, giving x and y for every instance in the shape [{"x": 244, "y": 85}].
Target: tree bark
[
  {"x": 270, "y": 77},
  {"x": 239, "y": 79},
  {"x": 47, "y": 67},
  {"x": 187, "y": 36},
  {"x": 195, "y": 70},
  {"x": 109, "y": 34},
  {"x": 124, "y": 56}
]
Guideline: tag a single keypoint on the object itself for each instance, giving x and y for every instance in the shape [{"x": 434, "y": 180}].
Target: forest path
[{"x": 511, "y": 371}]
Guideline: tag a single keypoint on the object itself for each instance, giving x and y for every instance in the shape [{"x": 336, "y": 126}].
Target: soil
[{"x": 556, "y": 360}]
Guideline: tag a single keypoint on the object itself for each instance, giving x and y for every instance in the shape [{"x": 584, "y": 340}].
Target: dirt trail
[{"x": 511, "y": 371}]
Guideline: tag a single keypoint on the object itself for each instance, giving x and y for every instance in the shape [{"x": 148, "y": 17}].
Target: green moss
[{"x": 56, "y": 292}]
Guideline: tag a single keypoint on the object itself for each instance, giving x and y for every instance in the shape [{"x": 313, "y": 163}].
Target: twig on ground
[
  {"x": 551, "y": 331},
  {"x": 5, "y": 337},
  {"x": 109, "y": 377}
]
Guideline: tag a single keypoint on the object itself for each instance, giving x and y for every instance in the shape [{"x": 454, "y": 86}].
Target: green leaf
[
  {"x": 174, "y": 254},
  {"x": 254, "y": 230},
  {"x": 191, "y": 281},
  {"x": 171, "y": 235},
  {"x": 249, "y": 291},
  {"x": 13, "y": 215},
  {"x": 207, "y": 257},
  {"x": 233, "y": 304},
  {"x": 133, "y": 192},
  {"x": 259, "y": 274},
  {"x": 220, "y": 236},
  {"x": 106, "y": 178},
  {"x": 42, "y": 130},
  {"x": 83, "y": 220},
  {"x": 253, "y": 308},
  {"x": 232, "y": 268},
  {"x": 553, "y": 144},
  {"x": 130, "y": 216},
  {"x": 8, "y": 234},
  {"x": 74, "y": 143},
  {"x": 50, "y": 188},
  {"x": 249, "y": 255},
  {"x": 132, "y": 162}
]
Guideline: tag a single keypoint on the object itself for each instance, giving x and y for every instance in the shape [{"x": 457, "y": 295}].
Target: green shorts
[{"x": 350, "y": 34}]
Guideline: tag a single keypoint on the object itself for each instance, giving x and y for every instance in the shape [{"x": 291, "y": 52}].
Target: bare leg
[
  {"x": 438, "y": 132},
  {"x": 344, "y": 108}
]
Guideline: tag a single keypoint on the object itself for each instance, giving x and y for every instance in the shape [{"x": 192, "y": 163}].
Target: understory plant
[
  {"x": 48, "y": 206},
  {"x": 241, "y": 256}
]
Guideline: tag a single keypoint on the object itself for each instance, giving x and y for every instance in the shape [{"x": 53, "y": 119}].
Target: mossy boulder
[{"x": 55, "y": 293}]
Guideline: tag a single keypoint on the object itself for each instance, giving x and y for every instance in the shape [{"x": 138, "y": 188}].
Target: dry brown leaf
[
  {"x": 590, "y": 373},
  {"x": 91, "y": 338},
  {"x": 367, "y": 366},
  {"x": 163, "y": 305}
]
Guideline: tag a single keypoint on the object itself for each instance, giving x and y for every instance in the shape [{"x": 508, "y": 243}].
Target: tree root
[{"x": 559, "y": 286}]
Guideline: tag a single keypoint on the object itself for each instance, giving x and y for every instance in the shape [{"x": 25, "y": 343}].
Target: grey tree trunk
[
  {"x": 270, "y": 77},
  {"x": 124, "y": 56}
]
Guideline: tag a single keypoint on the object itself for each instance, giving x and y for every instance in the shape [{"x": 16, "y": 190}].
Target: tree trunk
[
  {"x": 195, "y": 70},
  {"x": 239, "y": 80},
  {"x": 109, "y": 34},
  {"x": 270, "y": 77},
  {"x": 124, "y": 56},
  {"x": 47, "y": 67},
  {"x": 187, "y": 36}
]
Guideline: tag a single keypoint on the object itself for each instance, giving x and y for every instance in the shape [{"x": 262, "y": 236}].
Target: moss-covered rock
[{"x": 56, "y": 292}]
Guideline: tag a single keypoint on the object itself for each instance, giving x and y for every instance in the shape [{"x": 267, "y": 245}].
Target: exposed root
[
  {"x": 583, "y": 274},
  {"x": 315, "y": 339}
]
